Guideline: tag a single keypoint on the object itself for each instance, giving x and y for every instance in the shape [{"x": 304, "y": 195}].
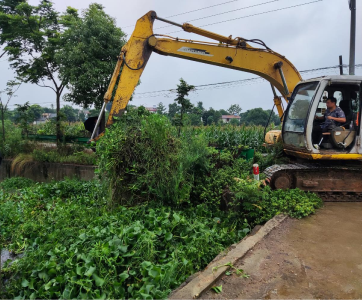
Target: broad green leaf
[
  {"x": 24, "y": 283},
  {"x": 154, "y": 272},
  {"x": 146, "y": 296},
  {"x": 176, "y": 217},
  {"x": 145, "y": 264},
  {"x": 168, "y": 236},
  {"x": 90, "y": 271},
  {"x": 123, "y": 248},
  {"x": 99, "y": 281},
  {"x": 43, "y": 275},
  {"x": 66, "y": 293},
  {"x": 123, "y": 276}
]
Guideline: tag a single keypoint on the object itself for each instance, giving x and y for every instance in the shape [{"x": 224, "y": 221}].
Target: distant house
[
  {"x": 227, "y": 118},
  {"x": 152, "y": 109},
  {"x": 44, "y": 118}
]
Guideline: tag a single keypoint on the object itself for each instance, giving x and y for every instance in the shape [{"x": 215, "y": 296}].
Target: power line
[
  {"x": 230, "y": 11},
  {"x": 190, "y": 11},
  {"x": 257, "y": 14},
  {"x": 224, "y": 84}
]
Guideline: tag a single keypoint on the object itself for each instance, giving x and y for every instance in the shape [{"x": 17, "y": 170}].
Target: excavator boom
[{"x": 228, "y": 52}]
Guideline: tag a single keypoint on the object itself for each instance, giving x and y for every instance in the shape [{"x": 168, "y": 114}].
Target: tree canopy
[
  {"x": 92, "y": 44},
  {"x": 32, "y": 39},
  {"x": 258, "y": 116},
  {"x": 234, "y": 109}
]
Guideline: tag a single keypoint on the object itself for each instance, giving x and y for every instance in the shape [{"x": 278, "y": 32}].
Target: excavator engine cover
[{"x": 273, "y": 137}]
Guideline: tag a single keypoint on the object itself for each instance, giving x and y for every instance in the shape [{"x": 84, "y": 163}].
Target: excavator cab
[{"x": 308, "y": 101}]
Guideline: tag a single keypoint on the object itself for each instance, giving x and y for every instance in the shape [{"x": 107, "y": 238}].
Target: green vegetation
[
  {"x": 233, "y": 136},
  {"x": 165, "y": 206},
  {"x": 75, "y": 129},
  {"x": 55, "y": 50},
  {"x": 77, "y": 248}
]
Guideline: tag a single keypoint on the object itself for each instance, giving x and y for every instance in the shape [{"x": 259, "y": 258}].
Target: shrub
[
  {"x": 68, "y": 129},
  {"x": 144, "y": 159},
  {"x": 56, "y": 156},
  {"x": 14, "y": 142},
  {"x": 14, "y": 183}
]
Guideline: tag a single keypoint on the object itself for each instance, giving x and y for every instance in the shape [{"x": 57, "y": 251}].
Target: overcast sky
[{"x": 310, "y": 36}]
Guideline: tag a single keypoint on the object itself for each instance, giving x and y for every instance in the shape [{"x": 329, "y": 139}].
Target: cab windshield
[{"x": 298, "y": 110}]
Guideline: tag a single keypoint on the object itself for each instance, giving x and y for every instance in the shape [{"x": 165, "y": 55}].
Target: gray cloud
[{"x": 310, "y": 36}]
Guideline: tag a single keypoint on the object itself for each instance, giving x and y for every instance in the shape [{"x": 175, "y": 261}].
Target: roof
[
  {"x": 335, "y": 78},
  {"x": 230, "y": 117}
]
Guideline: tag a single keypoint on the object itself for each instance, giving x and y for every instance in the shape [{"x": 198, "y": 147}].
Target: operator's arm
[{"x": 339, "y": 120}]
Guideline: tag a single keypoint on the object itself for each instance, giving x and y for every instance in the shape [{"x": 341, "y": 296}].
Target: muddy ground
[{"x": 317, "y": 257}]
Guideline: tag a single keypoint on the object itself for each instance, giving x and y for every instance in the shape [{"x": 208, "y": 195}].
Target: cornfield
[{"x": 232, "y": 136}]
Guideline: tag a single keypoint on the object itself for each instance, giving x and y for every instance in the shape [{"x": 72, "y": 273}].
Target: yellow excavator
[{"x": 329, "y": 166}]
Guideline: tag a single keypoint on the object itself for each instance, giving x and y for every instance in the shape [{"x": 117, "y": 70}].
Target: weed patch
[{"x": 75, "y": 248}]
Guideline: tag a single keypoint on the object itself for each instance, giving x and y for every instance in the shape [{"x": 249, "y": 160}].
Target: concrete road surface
[{"x": 317, "y": 257}]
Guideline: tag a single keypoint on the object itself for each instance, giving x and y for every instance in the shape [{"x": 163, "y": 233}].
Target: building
[
  {"x": 152, "y": 109},
  {"x": 227, "y": 118},
  {"x": 44, "y": 118}
]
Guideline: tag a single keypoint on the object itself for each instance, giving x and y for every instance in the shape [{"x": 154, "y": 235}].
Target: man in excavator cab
[{"x": 333, "y": 117}]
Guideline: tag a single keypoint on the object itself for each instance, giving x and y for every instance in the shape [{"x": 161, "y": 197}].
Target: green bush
[
  {"x": 71, "y": 157},
  {"x": 14, "y": 183},
  {"x": 68, "y": 129},
  {"x": 144, "y": 159},
  {"x": 14, "y": 142}
]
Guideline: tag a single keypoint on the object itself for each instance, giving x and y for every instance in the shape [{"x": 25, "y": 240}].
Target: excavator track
[{"x": 331, "y": 183}]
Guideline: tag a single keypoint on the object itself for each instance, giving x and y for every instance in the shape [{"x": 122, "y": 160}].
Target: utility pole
[
  {"x": 352, "y": 46},
  {"x": 340, "y": 65}
]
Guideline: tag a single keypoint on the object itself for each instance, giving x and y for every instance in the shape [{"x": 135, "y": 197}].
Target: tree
[
  {"x": 234, "y": 109},
  {"x": 183, "y": 90},
  {"x": 32, "y": 39},
  {"x": 258, "y": 116},
  {"x": 223, "y": 112},
  {"x": 70, "y": 113},
  {"x": 234, "y": 122},
  {"x": 35, "y": 111},
  {"x": 11, "y": 88},
  {"x": 25, "y": 116},
  {"x": 161, "y": 108},
  {"x": 210, "y": 120},
  {"x": 49, "y": 110},
  {"x": 194, "y": 119},
  {"x": 173, "y": 109},
  {"x": 216, "y": 116},
  {"x": 200, "y": 106},
  {"x": 94, "y": 112},
  {"x": 89, "y": 56}
]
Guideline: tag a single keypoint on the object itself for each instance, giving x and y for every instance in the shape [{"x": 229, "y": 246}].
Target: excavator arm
[{"x": 228, "y": 52}]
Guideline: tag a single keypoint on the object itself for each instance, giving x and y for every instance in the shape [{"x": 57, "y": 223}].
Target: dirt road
[{"x": 316, "y": 257}]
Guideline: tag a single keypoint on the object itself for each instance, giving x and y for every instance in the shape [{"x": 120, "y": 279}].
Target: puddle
[{"x": 5, "y": 255}]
